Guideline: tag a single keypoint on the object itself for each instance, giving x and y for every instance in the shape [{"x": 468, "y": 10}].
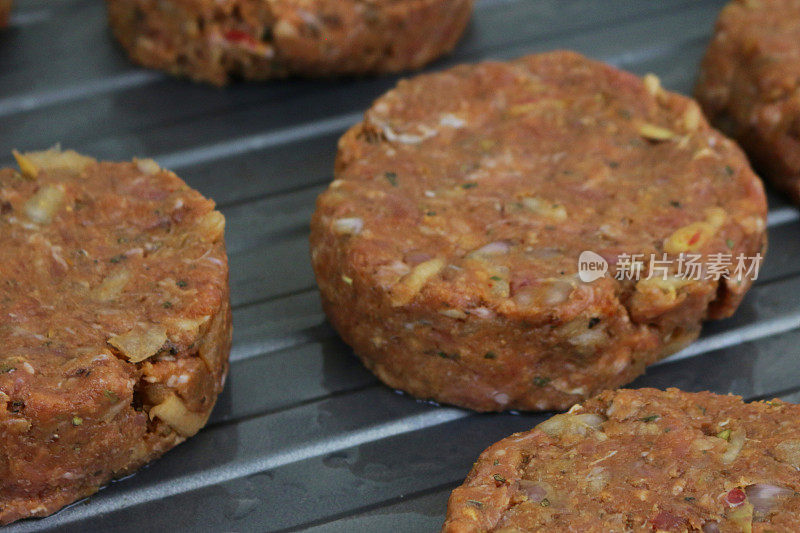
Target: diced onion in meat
[
  {"x": 175, "y": 414},
  {"x": 765, "y": 497},
  {"x": 734, "y": 446},
  {"x": 42, "y": 206},
  {"x": 141, "y": 342}
]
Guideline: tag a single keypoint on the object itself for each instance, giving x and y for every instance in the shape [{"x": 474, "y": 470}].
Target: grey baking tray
[{"x": 303, "y": 437}]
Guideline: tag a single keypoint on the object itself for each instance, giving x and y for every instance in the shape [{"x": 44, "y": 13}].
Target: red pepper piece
[
  {"x": 240, "y": 37},
  {"x": 735, "y": 497}
]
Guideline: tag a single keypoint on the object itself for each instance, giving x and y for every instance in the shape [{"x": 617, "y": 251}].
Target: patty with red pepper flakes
[
  {"x": 446, "y": 249},
  {"x": 213, "y": 41},
  {"x": 641, "y": 460},
  {"x": 115, "y": 323},
  {"x": 750, "y": 81}
]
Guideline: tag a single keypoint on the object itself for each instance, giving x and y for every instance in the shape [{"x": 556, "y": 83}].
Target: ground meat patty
[
  {"x": 5, "y": 12},
  {"x": 257, "y": 39},
  {"x": 446, "y": 249},
  {"x": 114, "y": 320},
  {"x": 641, "y": 460},
  {"x": 750, "y": 82}
]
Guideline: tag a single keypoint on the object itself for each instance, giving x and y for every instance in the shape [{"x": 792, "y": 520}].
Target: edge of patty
[{"x": 127, "y": 408}]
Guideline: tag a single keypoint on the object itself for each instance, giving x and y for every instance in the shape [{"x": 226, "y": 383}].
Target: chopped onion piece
[
  {"x": 451, "y": 120},
  {"x": 655, "y": 133},
  {"x": 652, "y": 84},
  {"x": 765, "y": 497},
  {"x": 148, "y": 166},
  {"x": 141, "y": 342},
  {"x": 493, "y": 248},
  {"x": 27, "y": 167},
  {"x": 692, "y": 116},
  {"x": 212, "y": 226},
  {"x": 556, "y": 292},
  {"x": 453, "y": 313},
  {"x": 734, "y": 446},
  {"x": 348, "y": 226},
  {"x": 742, "y": 516},
  {"x": 174, "y": 412},
  {"x": 545, "y": 208},
  {"x": 112, "y": 286},
  {"x": 408, "y": 287},
  {"x": 571, "y": 424},
  {"x": 536, "y": 491},
  {"x": 57, "y": 158},
  {"x": 42, "y": 206}
]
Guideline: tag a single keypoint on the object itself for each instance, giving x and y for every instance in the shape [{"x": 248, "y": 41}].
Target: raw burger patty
[
  {"x": 5, "y": 12},
  {"x": 750, "y": 85},
  {"x": 641, "y": 460},
  {"x": 114, "y": 321},
  {"x": 210, "y": 40},
  {"x": 446, "y": 249}
]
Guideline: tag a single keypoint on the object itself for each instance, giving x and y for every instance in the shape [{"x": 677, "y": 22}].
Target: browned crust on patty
[
  {"x": 538, "y": 159},
  {"x": 641, "y": 460},
  {"x": 257, "y": 39},
  {"x": 750, "y": 81},
  {"x": 115, "y": 322}
]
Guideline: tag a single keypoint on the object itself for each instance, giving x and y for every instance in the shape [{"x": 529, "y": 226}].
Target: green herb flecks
[
  {"x": 650, "y": 418},
  {"x": 111, "y": 395},
  {"x": 443, "y": 355},
  {"x": 391, "y": 177},
  {"x": 541, "y": 381}
]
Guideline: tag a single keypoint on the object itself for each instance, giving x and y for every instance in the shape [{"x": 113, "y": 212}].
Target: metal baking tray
[{"x": 304, "y": 438}]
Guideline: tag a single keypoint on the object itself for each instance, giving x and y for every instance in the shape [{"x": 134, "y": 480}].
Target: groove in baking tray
[{"x": 303, "y": 436}]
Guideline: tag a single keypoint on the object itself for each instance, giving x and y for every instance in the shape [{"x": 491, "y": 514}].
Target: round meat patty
[
  {"x": 641, "y": 460},
  {"x": 446, "y": 250},
  {"x": 115, "y": 323},
  {"x": 750, "y": 81},
  {"x": 257, "y": 39},
  {"x": 5, "y": 12}
]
